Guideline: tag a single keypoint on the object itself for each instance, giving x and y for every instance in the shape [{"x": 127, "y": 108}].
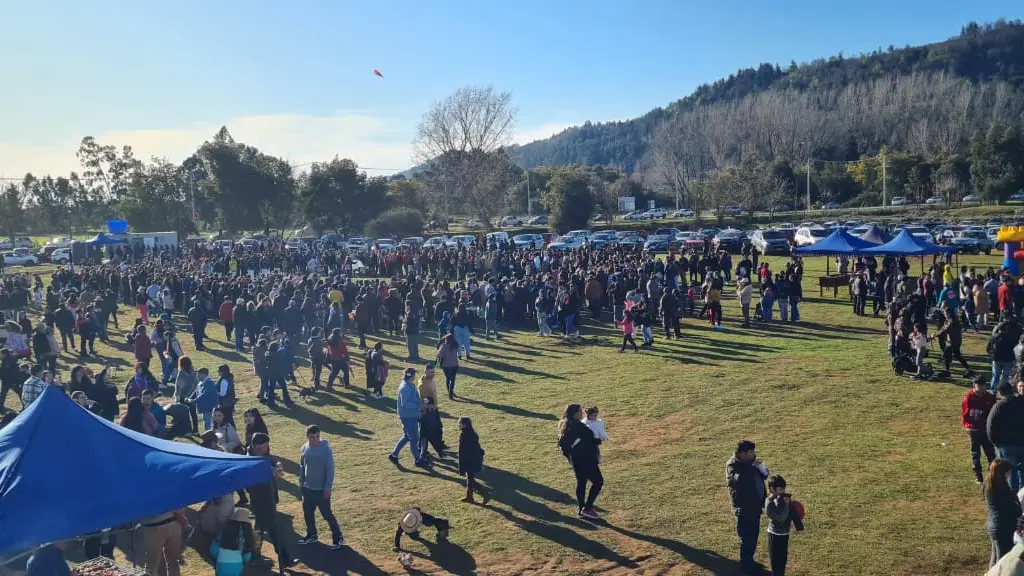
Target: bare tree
[{"x": 461, "y": 138}]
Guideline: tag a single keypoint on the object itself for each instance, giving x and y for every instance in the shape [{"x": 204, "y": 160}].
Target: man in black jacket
[
  {"x": 745, "y": 475},
  {"x": 1000, "y": 346},
  {"x": 1006, "y": 433},
  {"x": 197, "y": 318}
]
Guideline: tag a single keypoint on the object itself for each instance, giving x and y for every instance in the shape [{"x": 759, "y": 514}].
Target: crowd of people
[{"x": 285, "y": 308}]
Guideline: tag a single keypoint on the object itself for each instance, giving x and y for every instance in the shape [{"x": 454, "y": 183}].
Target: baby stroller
[{"x": 904, "y": 360}]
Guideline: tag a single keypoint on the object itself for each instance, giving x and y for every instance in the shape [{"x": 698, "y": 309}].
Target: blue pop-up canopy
[
  {"x": 65, "y": 472},
  {"x": 906, "y": 244},
  {"x": 839, "y": 242},
  {"x": 102, "y": 239}
]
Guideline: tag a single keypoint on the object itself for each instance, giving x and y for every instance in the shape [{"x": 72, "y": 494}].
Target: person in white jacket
[
  {"x": 596, "y": 426},
  {"x": 744, "y": 293}
]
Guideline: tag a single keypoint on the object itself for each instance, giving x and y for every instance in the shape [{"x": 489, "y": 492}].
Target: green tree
[
  {"x": 250, "y": 190},
  {"x": 997, "y": 162},
  {"x": 569, "y": 199},
  {"x": 406, "y": 194},
  {"x": 12, "y": 210},
  {"x": 157, "y": 199},
  {"x": 337, "y": 195},
  {"x": 396, "y": 222}
]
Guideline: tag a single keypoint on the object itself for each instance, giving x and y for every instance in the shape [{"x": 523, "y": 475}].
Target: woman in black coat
[
  {"x": 471, "y": 460},
  {"x": 581, "y": 449}
]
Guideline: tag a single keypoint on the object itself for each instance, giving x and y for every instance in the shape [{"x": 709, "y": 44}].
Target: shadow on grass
[
  {"x": 446, "y": 555},
  {"x": 569, "y": 538},
  {"x": 511, "y": 410},
  {"x": 329, "y": 425},
  {"x": 706, "y": 559}
]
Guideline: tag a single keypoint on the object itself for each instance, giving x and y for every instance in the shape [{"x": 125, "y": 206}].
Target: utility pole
[
  {"x": 192, "y": 193},
  {"x": 884, "y": 199},
  {"x": 808, "y": 184},
  {"x": 529, "y": 203}
]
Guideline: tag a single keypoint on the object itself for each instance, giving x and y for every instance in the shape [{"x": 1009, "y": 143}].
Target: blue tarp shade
[
  {"x": 906, "y": 244},
  {"x": 102, "y": 239},
  {"x": 839, "y": 242},
  {"x": 65, "y": 472},
  {"x": 875, "y": 235}
]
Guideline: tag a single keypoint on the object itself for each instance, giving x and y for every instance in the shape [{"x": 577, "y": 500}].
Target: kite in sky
[{"x": 377, "y": 72}]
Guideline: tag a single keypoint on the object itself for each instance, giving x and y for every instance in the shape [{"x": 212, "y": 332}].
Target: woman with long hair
[
  {"x": 184, "y": 385},
  {"x": 580, "y": 447},
  {"x": 233, "y": 547},
  {"x": 137, "y": 418},
  {"x": 253, "y": 424},
  {"x": 471, "y": 460},
  {"x": 337, "y": 358},
  {"x": 1003, "y": 509},
  {"x": 448, "y": 358}
]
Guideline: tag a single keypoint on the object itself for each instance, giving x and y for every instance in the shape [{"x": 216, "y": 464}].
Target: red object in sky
[{"x": 377, "y": 72}]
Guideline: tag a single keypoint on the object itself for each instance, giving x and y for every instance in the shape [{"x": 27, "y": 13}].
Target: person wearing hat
[
  {"x": 413, "y": 519},
  {"x": 233, "y": 547}
]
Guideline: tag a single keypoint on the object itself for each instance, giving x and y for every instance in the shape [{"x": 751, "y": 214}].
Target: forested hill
[{"x": 980, "y": 53}]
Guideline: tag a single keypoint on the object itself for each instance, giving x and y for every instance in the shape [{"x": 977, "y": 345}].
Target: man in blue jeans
[
  {"x": 745, "y": 476},
  {"x": 1006, "y": 433},
  {"x": 409, "y": 416},
  {"x": 316, "y": 478},
  {"x": 1000, "y": 349}
]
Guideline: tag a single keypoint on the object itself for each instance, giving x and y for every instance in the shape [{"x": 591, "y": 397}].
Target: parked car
[
  {"x": 899, "y": 201},
  {"x": 973, "y": 241},
  {"x": 782, "y": 208},
  {"x": 411, "y": 242},
  {"x": 601, "y": 239},
  {"x": 935, "y": 200},
  {"x": 683, "y": 213},
  {"x": 831, "y": 206},
  {"x": 770, "y": 242},
  {"x": 528, "y": 241},
  {"x": 581, "y": 233},
  {"x": 541, "y": 220},
  {"x": 458, "y": 240},
  {"x": 919, "y": 232},
  {"x": 631, "y": 240},
  {"x": 809, "y": 235},
  {"x": 474, "y": 224},
  {"x": 330, "y": 240},
  {"x": 510, "y": 221},
  {"x": 567, "y": 242},
  {"x": 1017, "y": 197},
  {"x": 435, "y": 242},
  {"x": 658, "y": 242},
  {"x": 20, "y": 257},
  {"x": 732, "y": 211},
  {"x": 6, "y": 243},
  {"x": 683, "y": 236},
  {"x": 657, "y": 213},
  {"x": 635, "y": 216},
  {"x": 356, "y": 244},
  {"x": 971, "y": 199},
  {"x": 730, "y": 240},
  {"x": 61, "y": 256},
  {"x": 667, "y": 231}
]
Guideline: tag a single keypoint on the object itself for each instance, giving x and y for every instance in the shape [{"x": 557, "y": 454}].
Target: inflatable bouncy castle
[{"x": 1012, "y": 237}]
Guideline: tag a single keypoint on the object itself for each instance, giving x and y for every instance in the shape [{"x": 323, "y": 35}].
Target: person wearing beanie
[{"x": 745, "y": 476}]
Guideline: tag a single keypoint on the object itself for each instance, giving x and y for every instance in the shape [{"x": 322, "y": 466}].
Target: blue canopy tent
[
  {"x": 906, "y": 244},
  {"x": 838, "y": 243},
  {"x": 65, "y": 472},
  {"x": 876, "y": 235},
  {"x": 102, "y": 239}
]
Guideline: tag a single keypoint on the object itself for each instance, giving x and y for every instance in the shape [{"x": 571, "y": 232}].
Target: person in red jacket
[
  {"x": 227, "y": 316},
  {"x": 974, "y": 414},
  {"x": 338, "y": 360}
]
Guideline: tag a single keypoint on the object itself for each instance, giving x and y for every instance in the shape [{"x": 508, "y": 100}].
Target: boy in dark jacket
[
  {"x": 745, "y": 475},
  {"x": 976, "y": 405},
  {"x": 781, "y": 513}
]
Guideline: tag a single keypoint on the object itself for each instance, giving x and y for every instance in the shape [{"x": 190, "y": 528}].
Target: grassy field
[{"x": 879, "y": 461}]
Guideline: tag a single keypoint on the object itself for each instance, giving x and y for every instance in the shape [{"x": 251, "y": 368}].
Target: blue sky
[{"x": 295, "y": 78}]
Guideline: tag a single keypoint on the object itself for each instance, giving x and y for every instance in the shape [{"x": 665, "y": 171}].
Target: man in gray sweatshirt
[{"x": 316, "y": 477}]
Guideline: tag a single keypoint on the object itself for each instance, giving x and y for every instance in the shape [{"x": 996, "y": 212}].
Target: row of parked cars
[{"x": 967, "y": 235}]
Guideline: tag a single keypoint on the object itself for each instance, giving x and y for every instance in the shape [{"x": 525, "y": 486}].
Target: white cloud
[{"x": 373, "y": 142}]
